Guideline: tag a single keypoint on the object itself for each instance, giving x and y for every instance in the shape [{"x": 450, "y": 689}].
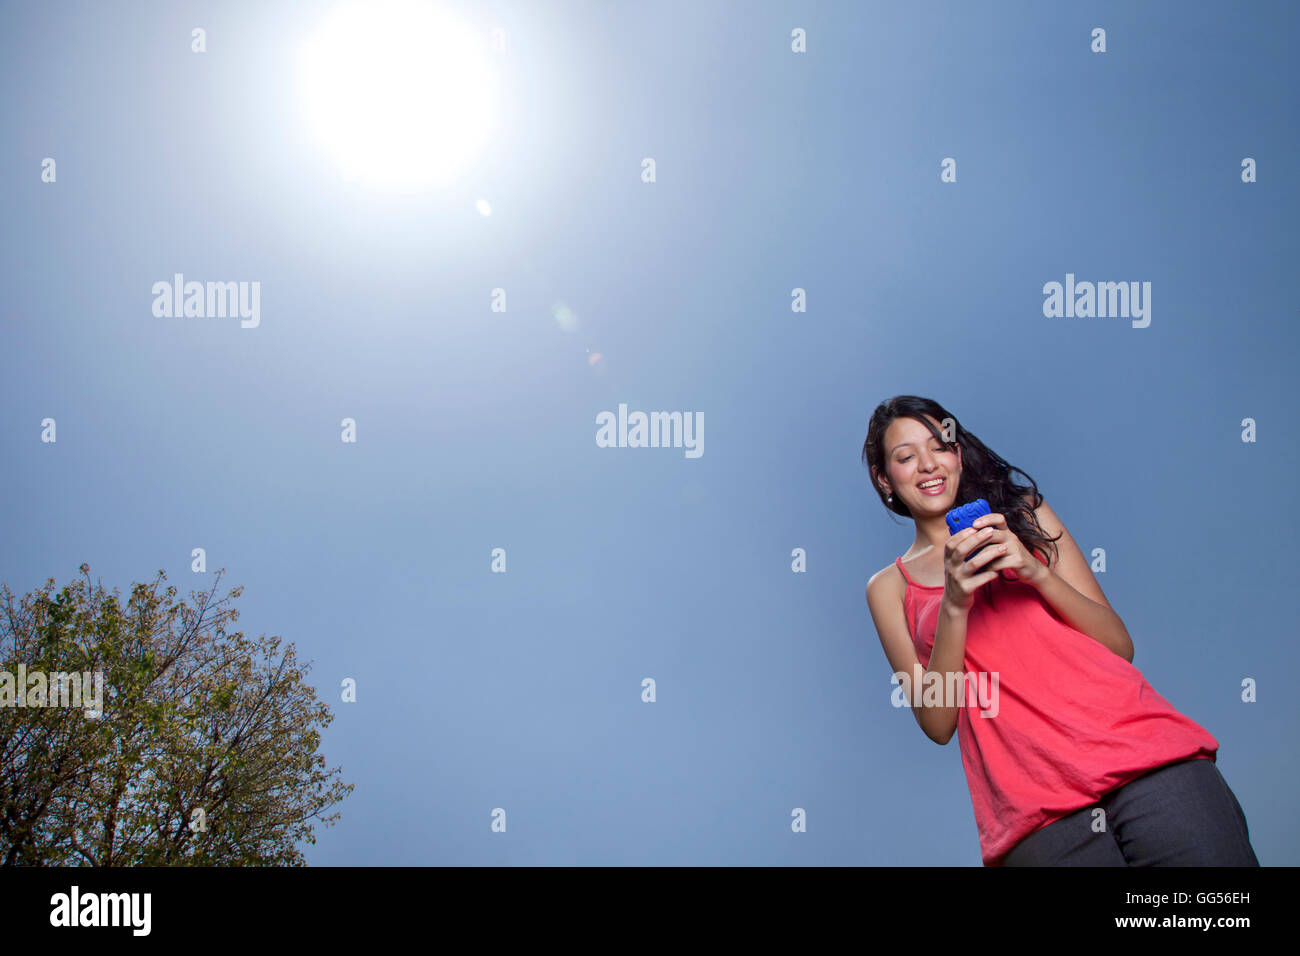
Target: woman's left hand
[{"x": 1016, "y": 557}]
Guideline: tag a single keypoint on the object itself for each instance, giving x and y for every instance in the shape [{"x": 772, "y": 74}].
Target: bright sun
[{"x": 400, "y": 92}]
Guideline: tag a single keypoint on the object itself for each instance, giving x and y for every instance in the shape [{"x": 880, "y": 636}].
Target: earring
[{"x": 890, "y": 499}]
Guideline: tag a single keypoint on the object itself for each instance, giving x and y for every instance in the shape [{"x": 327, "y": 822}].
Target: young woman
[{"x": 1078, "y": 761}]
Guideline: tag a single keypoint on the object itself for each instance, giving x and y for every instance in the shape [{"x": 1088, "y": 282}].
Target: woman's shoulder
[{"x": 887, "y": 580}]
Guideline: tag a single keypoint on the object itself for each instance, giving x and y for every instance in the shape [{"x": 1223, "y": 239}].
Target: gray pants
[{"x": 1181, "y": 814}]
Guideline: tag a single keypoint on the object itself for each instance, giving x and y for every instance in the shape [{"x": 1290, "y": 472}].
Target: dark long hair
[{"x": 983, "y": 473}]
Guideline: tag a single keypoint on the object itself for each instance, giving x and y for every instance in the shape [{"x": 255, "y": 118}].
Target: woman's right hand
[{"x": 962, "y": 578}]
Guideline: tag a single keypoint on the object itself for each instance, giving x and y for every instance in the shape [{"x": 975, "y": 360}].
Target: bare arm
[
  {"x": 947, "y": 657},
  {"x": 885, "y": 598},
  {"x": 1071, "y": 589}
]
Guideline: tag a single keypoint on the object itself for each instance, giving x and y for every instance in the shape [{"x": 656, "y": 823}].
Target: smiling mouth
[{"x": 938, "y": 485}]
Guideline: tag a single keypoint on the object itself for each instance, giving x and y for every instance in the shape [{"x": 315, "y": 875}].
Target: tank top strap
[{"x": 899, "y": 561}]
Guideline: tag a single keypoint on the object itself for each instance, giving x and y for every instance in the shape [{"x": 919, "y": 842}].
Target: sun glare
[{"x": 400, "y": 92}]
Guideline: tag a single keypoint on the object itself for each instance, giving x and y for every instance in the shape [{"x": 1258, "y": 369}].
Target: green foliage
[{"x": 194, "y": 718}]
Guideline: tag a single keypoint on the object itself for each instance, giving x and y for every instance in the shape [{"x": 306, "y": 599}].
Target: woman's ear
[{"x": 884, "y": 487}]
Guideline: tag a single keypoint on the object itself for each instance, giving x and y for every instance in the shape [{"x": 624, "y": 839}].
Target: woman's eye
[{"x": 909, "y": 457}]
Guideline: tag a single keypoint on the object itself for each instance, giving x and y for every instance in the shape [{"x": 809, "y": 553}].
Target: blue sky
[{"x": 476, "y": 429}]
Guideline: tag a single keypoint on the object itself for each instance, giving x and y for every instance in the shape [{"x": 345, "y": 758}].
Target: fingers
[
  {"x": 976, "y": 539},
  {"x": 996, "y": 519},
  {"x": 970, "y": 576}
]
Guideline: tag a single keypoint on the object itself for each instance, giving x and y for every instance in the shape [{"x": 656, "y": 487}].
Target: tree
[{"x": 205, "y": 750}]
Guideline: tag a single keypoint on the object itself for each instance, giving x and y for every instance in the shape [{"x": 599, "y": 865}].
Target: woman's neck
[{"x": 931, "y": 532}]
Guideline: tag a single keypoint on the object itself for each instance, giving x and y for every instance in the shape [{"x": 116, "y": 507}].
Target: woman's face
[{"x": 914, "y": 457}]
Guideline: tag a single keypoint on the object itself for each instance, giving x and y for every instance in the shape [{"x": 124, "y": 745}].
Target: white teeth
[{"x": 931, "y": 484}]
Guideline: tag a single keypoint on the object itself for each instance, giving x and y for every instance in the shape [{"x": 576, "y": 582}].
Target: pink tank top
[{"x": 1068, "y": 719}]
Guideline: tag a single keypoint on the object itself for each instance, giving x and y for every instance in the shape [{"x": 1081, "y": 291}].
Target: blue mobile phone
[{"x": 963, "y": 516}]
